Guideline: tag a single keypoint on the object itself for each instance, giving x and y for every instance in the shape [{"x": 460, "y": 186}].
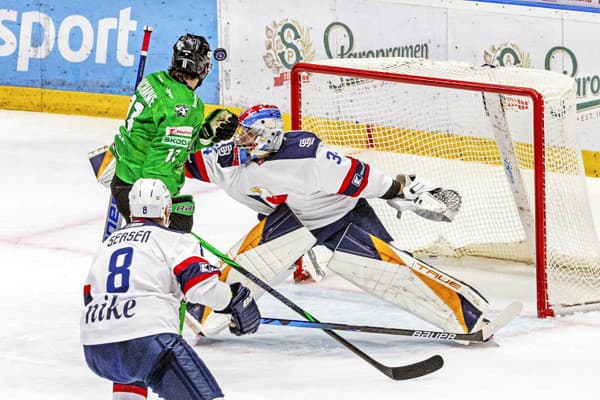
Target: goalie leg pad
[
  {"x": 103, "y": 163},
  {"x": 417, "y": 287},
  {"x": 267, "y": 251}
]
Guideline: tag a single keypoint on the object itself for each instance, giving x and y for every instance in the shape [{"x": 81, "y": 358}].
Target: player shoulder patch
[
  {"x": 227, "y": 154},
  {"x": 297, "y": 145}
]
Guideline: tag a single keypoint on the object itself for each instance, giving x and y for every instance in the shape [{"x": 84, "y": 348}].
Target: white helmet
[
  {"x": 260, "y": 130},
  {"x": 149, "y": 198}
]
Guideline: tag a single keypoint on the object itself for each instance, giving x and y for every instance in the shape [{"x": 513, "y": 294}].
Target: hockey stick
[
  {"x": 409, "y": 371},
  {"x": 481, "y": 335},
  {"x": 114, "y": 219}
]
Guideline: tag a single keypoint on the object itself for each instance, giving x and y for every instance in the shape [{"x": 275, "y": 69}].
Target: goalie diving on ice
[{"x": 283, "y": 174}]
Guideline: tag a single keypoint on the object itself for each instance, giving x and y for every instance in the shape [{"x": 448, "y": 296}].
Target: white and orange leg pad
[
  {"x": 103, "y": 164},
  {"x": 399, "y": 278},
  {"x": 267, "y": 251}
]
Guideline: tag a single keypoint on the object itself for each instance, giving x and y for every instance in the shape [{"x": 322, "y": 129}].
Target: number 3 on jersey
[
  {"x": 333, "y": 156},
  {"x": 118, "y": 268}
]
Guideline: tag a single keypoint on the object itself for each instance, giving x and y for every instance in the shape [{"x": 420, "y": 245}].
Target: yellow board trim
[
  {"x": 75, "y": 103},
  {"x": 115, "y": 106},
  {"x": 417, "y": 142}
]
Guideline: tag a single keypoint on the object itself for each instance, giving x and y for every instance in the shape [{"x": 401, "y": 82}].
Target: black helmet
[{"x": 191, "y": 55}]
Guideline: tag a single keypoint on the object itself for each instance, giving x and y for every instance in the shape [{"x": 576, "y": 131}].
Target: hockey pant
[{"x": 166, "y": 363}]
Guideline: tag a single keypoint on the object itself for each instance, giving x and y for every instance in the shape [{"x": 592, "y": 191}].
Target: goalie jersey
[
  {"x": 137, "y": 280},
  {"x": 317, "y": 183}
]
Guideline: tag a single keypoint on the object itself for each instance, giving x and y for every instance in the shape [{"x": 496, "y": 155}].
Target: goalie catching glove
[
  {"x": 425, "y": 200},
  {"x": 219, "y": 125}
]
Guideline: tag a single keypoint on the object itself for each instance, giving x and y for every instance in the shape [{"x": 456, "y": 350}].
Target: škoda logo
[{"x": 287, "y": 44}]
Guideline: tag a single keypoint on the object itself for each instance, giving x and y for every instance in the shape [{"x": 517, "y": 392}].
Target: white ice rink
[{"x": 52, "y": 218}]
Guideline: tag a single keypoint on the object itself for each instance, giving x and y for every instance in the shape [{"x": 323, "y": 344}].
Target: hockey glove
[
  {"x": 411, "y": 187},
  {"x": 219, "y": 125},
  {"x": 427, "y": 201},
  {"x": 245, "y": 316},
  {"x": 182, "y": 213}
]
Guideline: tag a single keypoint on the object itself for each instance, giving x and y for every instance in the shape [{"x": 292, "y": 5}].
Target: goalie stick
[
  {"x": 408, "y": 371},
  {"x": 482, "y": 335},
  {"x": 114, "y": 219}
]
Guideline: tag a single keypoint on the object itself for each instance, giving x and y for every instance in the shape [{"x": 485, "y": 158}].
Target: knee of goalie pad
[
  {"x": 182, "y": 213},
  {"x": 103, "y": 163},
  {"x": 204, "y": 321},
  {"x": 212, "y": 323}
]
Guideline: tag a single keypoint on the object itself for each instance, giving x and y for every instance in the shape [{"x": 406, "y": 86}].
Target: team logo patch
[
  {"x": 181, "y": 110},
  {"x": 225, "y": 150},
  {"x": 307, "y": 142},
  {"x": 265, "y": 196},
  {"x": 357, "y": 180}
]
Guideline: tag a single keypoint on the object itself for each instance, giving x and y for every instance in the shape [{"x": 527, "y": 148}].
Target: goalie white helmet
[
  {"x": 149, "y": 198},
  {"x": 260, "y": 130}
]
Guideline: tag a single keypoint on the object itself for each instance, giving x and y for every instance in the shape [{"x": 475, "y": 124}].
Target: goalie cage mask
[{"x": 260, "y": 130}]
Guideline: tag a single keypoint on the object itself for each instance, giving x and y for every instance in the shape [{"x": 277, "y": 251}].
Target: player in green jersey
[{"x": 164, "y": 124}]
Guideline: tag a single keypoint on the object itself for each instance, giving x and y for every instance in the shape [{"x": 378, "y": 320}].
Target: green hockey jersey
[{"x": 159, "y": 132}]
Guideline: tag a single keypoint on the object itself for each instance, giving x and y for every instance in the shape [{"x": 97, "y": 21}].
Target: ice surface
[{"x": 53, "y": 217}]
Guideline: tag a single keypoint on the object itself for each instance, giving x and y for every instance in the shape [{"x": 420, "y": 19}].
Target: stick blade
[
  {"x": 417, "y": 369},
  {"x": 507, "y": 315}
]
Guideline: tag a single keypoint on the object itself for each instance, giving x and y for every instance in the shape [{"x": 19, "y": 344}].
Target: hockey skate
[{"x": 301, "y": 275}]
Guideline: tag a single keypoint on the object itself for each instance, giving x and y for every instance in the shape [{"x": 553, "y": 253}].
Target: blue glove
[{"x": 245, "y": 316}]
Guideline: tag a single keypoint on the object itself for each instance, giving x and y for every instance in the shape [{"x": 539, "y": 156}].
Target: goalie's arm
[
  {"x": 214, "y": 164},
  {"x": 348, "y": 176}
]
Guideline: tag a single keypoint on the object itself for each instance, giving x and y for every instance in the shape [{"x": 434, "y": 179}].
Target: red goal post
[{"x": 363, "y": 106}]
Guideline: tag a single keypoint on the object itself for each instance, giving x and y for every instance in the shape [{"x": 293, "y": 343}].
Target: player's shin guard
[
  {"x": 267, "y": 251},
  {"x": 415, "y": 286}
]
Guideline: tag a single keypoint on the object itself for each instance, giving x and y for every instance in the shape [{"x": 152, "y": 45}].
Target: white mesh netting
[{"x": 444, "y": 136}]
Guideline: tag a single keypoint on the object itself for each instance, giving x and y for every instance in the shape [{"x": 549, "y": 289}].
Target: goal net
[{"x": 505, "y": 138}]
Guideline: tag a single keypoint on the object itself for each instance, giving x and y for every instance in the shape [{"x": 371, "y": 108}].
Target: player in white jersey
[
  {"x": 325, "y": 189},
  {"x": 264, "y": 167},
  {"x": 132, "y": 296}
]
